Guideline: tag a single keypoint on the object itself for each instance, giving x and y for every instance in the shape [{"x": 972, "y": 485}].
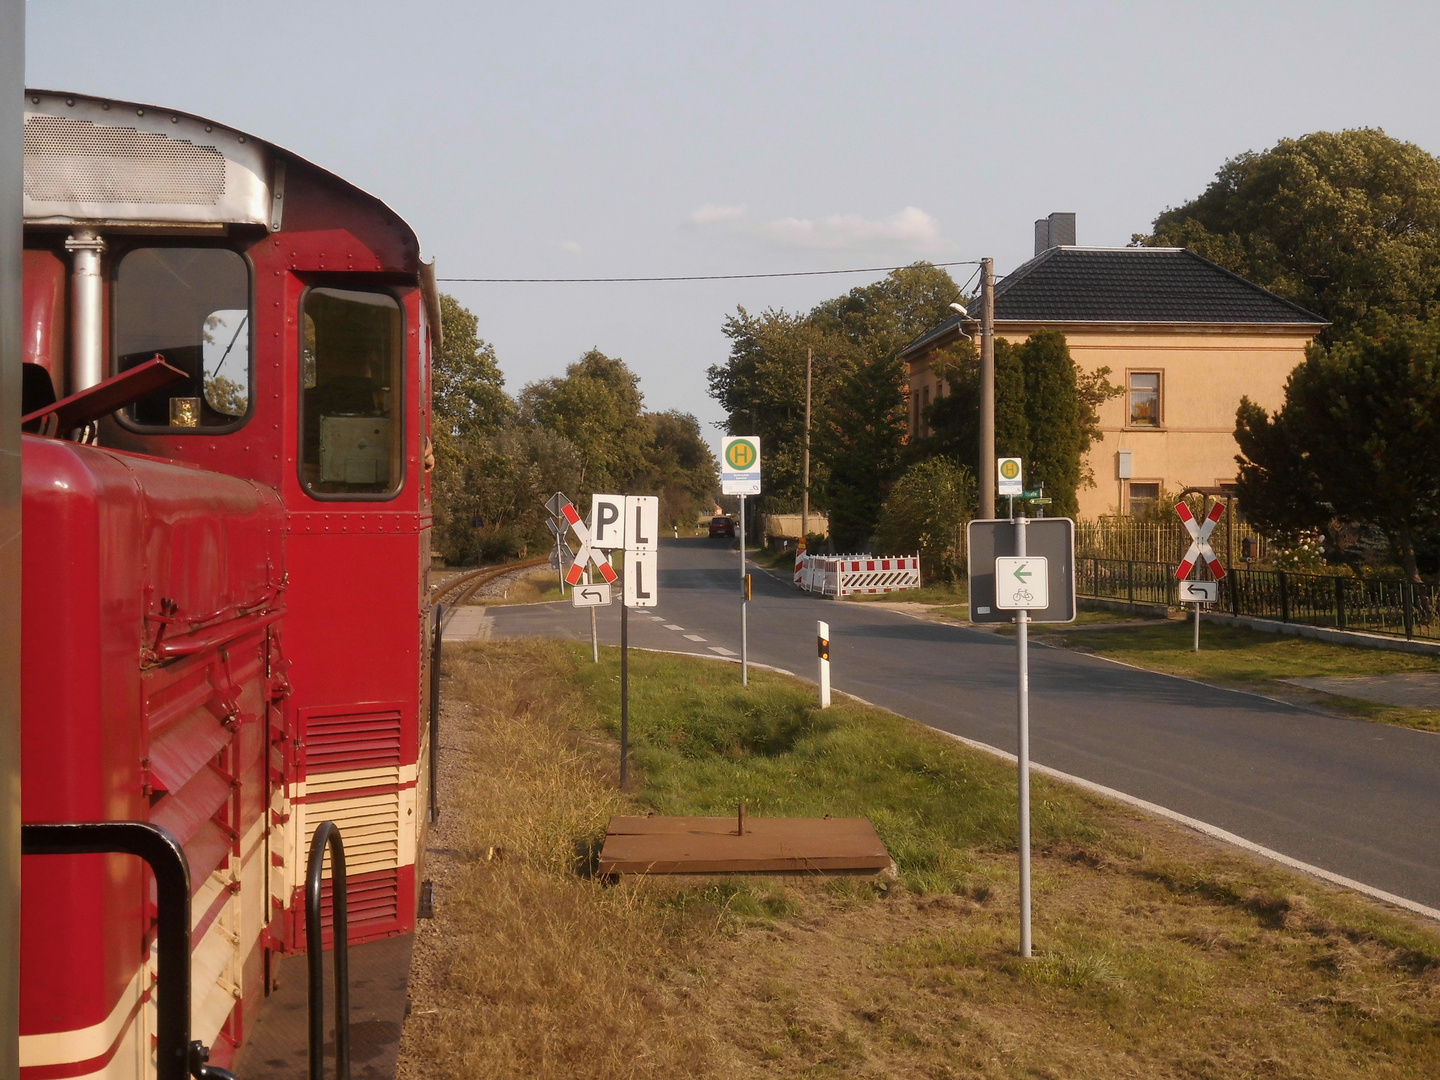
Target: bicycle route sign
[
  {"x": 1022, "y": 583},
  {"x": 1000, "y": 580},
  {"x": 740, "y": 465}
]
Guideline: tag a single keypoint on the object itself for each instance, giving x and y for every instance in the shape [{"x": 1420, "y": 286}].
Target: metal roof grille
[{"x": 75, "y": 161}]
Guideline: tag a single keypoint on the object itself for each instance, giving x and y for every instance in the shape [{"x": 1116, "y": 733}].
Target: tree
[
  {"x": 762, "y": 390},
  {"x": 862, "y": 445},
  {"x": 468, "y": 404},
  {"x": 509, "y": 475},
  {"x": 467, "y": 391},
  {"x": 598, "y": 407},
  {"x": 680, "y": 468},
  {"x": 1355, "y": 441},
  {"x": 1046, "y": 413},
  {"x": 926, "y": 512},
  {"x": 1343, "y": 223},
  {"x": 1052, "y": 413}
]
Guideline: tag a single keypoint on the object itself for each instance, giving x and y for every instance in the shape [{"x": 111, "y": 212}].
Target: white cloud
[
  {"x": 910, "y": 228},
  {"x": 572, "y": 246},
  {"x": 710, "y": 214}
]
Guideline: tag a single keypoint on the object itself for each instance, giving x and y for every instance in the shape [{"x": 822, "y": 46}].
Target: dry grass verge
[{"x": 1159, "y": 953}]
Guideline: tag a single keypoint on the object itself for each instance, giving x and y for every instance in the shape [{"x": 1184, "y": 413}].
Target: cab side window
[
  {"x": 190, "y": 306},
  {"x": 350, "y": 420}
]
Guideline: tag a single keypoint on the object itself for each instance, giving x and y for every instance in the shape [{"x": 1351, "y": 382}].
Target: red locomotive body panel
[
  {"x": 155, "y": 686},
  {"x": 118, "y": 725}
]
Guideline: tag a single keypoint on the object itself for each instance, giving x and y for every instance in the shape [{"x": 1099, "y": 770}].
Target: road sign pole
[
  {"x": 1197, "y": 627},
  {"x": 624, "y": 692},
  {"x": 594, "y": 634},
  {"x": 744, "y": 606},
  {"x": 1022, "y": 642}
]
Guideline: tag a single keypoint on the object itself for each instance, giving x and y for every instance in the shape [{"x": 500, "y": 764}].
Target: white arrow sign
[
  {"x": 1022, "y": 583},
  {"x": 1200, "y": 541},
  {"x": 597, "y": 595}
]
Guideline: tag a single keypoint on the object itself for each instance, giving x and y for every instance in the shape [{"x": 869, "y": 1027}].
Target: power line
[{"x": 690, "y": 277}]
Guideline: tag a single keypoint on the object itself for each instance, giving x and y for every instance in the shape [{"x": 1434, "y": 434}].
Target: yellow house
[{"x": 1183, "y": 337}]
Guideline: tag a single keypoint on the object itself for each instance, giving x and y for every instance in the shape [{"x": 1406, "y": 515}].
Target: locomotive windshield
[
  {"x": 350, "y": 427},
  {"x": 191, "y": 306}
]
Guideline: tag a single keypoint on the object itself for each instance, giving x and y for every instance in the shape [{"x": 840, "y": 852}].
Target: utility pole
[
  {"x": 805, "y": 499},
  {"x": 987, "y": 388}
]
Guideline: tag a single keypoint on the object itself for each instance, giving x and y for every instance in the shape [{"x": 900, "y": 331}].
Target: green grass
[
  {"x": 1158, "y": 953},
  {"x": 703, "y": 744},
  {"x": 1251, "y": 659}
]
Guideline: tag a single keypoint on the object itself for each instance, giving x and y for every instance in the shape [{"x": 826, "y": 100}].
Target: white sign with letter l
[
  {"x": 642, "y": 522},
  {"x": 641, "y": 568}
]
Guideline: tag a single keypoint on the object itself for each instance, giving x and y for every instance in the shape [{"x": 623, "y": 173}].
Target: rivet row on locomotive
[{"x": 288, "y": 386}]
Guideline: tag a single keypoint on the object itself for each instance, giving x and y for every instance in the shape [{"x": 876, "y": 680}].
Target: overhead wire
[{"x": 697, "y": 277}]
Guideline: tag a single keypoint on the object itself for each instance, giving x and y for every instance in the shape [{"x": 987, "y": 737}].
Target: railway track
[{"x": 457, "y": 589}]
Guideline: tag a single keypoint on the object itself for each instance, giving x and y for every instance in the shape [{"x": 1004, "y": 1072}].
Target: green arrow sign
[{"x": 1021, "y": 573}]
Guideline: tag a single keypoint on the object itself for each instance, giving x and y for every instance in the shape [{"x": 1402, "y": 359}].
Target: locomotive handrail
[
  {"x": 176, "y": 1056},
  {"x": 436, "y": 646},
  {"x": 326, "y": 834},
  {"x": 215, "y": 636}
]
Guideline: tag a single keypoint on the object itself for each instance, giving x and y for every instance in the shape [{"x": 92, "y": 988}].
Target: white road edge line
[
  {"x": 722, "y": 651},
  {"x": 693, "y": 637},
  {"x": 672, "y": 626}
]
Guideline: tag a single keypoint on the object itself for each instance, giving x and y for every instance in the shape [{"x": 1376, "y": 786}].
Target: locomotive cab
[{"x": 298, "y": 320}]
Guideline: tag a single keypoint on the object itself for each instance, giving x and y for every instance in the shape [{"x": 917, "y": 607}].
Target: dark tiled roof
[{"x": 1130, "y": 285}]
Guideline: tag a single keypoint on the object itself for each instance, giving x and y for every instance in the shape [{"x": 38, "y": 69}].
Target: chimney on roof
[{"x": 1057, "y": 230}]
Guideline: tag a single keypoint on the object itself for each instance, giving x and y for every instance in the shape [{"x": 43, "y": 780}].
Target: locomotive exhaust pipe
[{"x": 87, "y": 311}]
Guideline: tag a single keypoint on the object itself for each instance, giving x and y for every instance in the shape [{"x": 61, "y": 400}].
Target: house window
[
  {"x": 1144, "y": 399},
  {"x": 1143, "y": 497},
  {"x": 924, "y": 404}
]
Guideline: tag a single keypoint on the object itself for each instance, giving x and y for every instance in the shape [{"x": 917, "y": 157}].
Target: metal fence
[
  {"x": 1374, "y": 605},
  {"x": 1155, "y": 541}
]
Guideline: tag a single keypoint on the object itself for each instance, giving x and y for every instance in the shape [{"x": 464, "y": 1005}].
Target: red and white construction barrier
[{"x": 844, "y": 575}]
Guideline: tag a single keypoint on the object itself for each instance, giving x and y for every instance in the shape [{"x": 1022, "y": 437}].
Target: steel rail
[{"x": 456, "y": 590}]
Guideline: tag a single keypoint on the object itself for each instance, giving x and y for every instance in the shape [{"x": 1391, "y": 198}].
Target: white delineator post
[
  {"x": 822, "y": 636},
  {"x": 1022, "y": 640}
]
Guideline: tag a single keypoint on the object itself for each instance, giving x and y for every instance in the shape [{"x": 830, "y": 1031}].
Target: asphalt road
[{"x": 1356, "y": 798}]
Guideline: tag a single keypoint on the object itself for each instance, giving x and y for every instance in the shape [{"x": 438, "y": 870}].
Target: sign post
[
  {"x": 822, "y": 642},
  {"x": 740, "y": 475},
  {"x": 1199, "y": 592},
  {"x": 1022, "y": 588},
  {"x": 630, "y": 523}
]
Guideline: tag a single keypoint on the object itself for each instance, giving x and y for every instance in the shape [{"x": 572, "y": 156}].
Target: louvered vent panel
[
  {"x": 353, "y": 741},
  {"x": 372, "y": 902},
  {"x": 71, "y": 161},
  {"x": 369, "y": 827}
]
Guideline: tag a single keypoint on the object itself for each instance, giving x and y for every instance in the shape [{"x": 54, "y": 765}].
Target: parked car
[{"x": 722, "y": 526}]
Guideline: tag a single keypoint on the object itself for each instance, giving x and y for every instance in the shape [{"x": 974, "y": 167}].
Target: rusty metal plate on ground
[{"x": 714, "y": 845}]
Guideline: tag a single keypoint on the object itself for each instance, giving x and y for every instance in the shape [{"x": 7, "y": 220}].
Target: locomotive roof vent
[
  {"x": 76, "y": 161},
  {"x": 95, "y": 162}
]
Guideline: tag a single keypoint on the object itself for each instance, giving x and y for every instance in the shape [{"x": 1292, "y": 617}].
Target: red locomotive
[{"x": 225, "y": 624}]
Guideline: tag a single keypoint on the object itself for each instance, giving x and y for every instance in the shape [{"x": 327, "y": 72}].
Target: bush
[{"x": 926, "y": 512}]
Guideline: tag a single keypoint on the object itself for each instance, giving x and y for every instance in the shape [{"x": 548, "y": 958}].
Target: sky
[{"x": 625, "y": 139}]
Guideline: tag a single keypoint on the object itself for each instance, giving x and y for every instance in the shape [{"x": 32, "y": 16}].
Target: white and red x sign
[
  {"x": 1200, "y": 541},
  {"x": 584, "y": 554}
]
